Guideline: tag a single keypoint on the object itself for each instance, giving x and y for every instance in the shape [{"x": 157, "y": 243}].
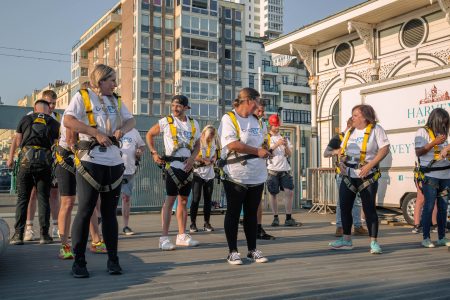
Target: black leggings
[
  {"x": 197, "y": 184},
  {"x": 87, "y": 200},
  {"x": 368, "y": 196},
  {"x": 239, "y": 196}
]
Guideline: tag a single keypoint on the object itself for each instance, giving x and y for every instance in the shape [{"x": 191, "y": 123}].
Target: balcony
[
  {"x": 100, "y": 30},
  {"x": 270, "y": 69},
  {"x": 272, "y": 108},
  {"x": 296, "y": 87},
  {"x": 270, "y": 89}
]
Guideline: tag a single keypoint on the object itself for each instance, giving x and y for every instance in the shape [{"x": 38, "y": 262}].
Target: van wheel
[{"x": 408, "y": 207}]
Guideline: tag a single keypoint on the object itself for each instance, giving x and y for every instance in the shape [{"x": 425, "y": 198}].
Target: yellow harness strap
[
  {"x": 173, "y": 132},
  {"x": 235, "y": 123},
  {"x": 362, "y": 156},
  {"x": 88, "y": 107},
  {"x": 436, "y": 147}
]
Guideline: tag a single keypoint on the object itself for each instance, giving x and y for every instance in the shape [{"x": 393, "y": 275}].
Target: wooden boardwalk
[{"x": 301, "y": 267}]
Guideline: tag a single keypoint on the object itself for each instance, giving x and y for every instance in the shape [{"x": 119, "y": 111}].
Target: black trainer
[
  {"x": 262, "y": 235},
  {"x": 17, "y": 239},
  {"x": 45, "y": 239},
  {"x": 114, "y": 267},
  {"x": 79, "y": 269},
  {"x": 208, "y": 227},
  {"x": 193, "y": 228}
]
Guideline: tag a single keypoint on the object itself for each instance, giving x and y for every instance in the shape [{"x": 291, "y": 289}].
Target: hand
[
  {"x": 439, "y": 139},
  {"x": 188, "y": 164},
  {"x": 118, "y": 134},
  {"x": 10, "y": 163},
  {"x": 103, "y": 139},
  {"x": 157, "y": 159},
  {"x": 444, "y": 152},
  {"x": 365, "y": 170},
  {"x": 138, "y": 153},
  {"x": 336, "y": 152},
  {"x": 263, "y": 153},
  {"x": 206, "y": 161}
]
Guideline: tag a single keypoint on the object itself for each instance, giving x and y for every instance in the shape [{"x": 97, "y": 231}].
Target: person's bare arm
[
  {"x": 77, "y": 126},
  {"x": 12, "y": 150},
  {"x": 126, "y": 127},
  {"x": 150, "y": 138}
]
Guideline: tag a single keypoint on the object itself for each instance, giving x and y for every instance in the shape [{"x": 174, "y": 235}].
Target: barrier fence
[{"x": 322, "y": 189}]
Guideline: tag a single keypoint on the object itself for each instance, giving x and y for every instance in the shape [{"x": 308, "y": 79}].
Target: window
[
  {"x": 195, "y": 65},
  {"x": 200, "y": 3},
  {"x": 204, "y": 24},
  {"x": 195, "y": 23},
  {"x": 156, "y": 109},
  {"x": 251, "y": 80},
  {"x": 213, "y": 26},
  {"x": 168, "y": 45},
  {"x": 227, "y": 53},
  {"x": 157, "y": 44},
  {"x": 285, "y": 79},
  {"x": 144, "y": 108},
  {"x": 237, "y": 35},
  {"x": 168, "y": 88},
  {"x": 227, "y": 13},
  {"x": 212, "y": 67},
  {"x": 227, "y": 33},
  {"x": 144, "y": 85},
  {"x": 168, "y": 23},
  {"x": 145, "y": 40},
  {"x": 251, "y": 61},
  {"x": 237, "y": 55},
  {"x": 186, "y": 21},
  {"x": 145, "y": 20},
  {"x": 227, "y": 74},
  {"x": 204, "y": 66},
  {"x": 156, "y": 66},
  {"x": 169, "y": 3},
  {"x": 84, "y": 71},
  {"x": 156, "y": 87},
  {"x": 157, "y": 21},
  {"x": 238, "y": 15},
  {"x": 168, "y": 67},
  {"x": 157, "y": 2}
]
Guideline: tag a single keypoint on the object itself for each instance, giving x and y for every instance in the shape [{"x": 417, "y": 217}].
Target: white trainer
[
  {"x": 165, "y": 244},
  {"x": 256, "y": 256},
  {"x": 186, "y": 240},
  {"x": 55, "y": 232},
  {"x": 234, "y": 258},
  {"x": 29, "y": 234}
]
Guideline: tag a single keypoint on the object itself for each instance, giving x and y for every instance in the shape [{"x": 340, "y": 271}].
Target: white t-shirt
[
  {"x": 131, "y": 141},
  {"x": 421, "y": 139},
  {"x": 62, "y": 135},
  {"x": 377, "y": 139},
  {"x": 184, "y": 133},
  {"x": 279, "y": 160},
  {"x": 255, "y": 171},
  {"x": 206, "y": 172},
  {"x": 76, "y": 109}
]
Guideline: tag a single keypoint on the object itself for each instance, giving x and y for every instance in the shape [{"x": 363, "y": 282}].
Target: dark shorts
[
  {"x": 127, "y": 185},
  {"x": 171, "y": 187},
  {"x": 67, "y": 184},
  {"x": 281, "y": 181}
]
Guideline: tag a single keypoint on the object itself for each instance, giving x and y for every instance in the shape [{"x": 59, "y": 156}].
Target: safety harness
[
  {"x": 62, "y": 155},
  {"x": 83, "y": 148},
  {"x": 362, "y": 162},
  {"x": 420, "y": 171},
  {"x": 198, "y": 164}
]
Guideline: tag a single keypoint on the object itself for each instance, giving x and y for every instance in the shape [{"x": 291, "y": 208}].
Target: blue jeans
[
  {"x": 431, "y": 188},
  {"x": 356, "y": 211}
]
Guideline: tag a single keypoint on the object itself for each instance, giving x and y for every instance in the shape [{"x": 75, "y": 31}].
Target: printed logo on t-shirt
[
  {"x": 126, "y": 140},
  {"x": 186, "y": 134},
  {"x": 252, "y": 131},
  {"x": 111, "y": 109}
]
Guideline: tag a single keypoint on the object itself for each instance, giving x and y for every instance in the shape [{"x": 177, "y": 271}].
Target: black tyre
[{"x": 408, "y": 207}]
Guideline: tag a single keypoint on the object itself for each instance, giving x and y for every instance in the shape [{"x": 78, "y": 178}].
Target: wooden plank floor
[{"x": 301, "y": 267}]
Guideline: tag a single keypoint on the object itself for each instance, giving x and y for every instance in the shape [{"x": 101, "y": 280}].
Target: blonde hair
[
  {"x": 100, "y": 73},
  {"x": 205, "y": 133}
]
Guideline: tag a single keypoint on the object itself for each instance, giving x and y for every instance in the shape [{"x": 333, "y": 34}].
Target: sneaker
[
  {"x": 186, "y": 240},
  {"x": 360, "y": 230},
  {"x": 79, "y": 269},
  {"x": 339, "y": 232},
  {"x": 292, "y": 222},
  {"x": 29, "y": 234},
  {"x": 256, "y": 256},
  {"x": 65, "y": 252},
  {"x": 114, "y": 267},
  {"x": 165, "y": 244},
  {"x": 275, "y": 222},
  {"x": 208, "y": 227},
  {"x": 55, "y": 232},
  {"x": 193, "y": 228},
  {"x": 234, "y": 258},
  {"x": 262, "y": 235},
  {"x": 375, "y": 248},
  {"x": 127, "y": 231},
  {"x": 45, "y": 239},
  {"x": 443, "y": 242},
  {"x": 341, "y": 244},
  {"x": 417, "y": 229},
  {"x": 427, "y": 243},
  {"x": 434, "y": 228},
  {"x": 17, "y": 239},
  {"x": 98, "y": 247}
]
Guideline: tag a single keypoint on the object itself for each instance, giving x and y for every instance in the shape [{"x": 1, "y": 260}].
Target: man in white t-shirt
[
  {"x": 181, "y": 142},
  {"x": 132, "y": 148},
  {"x": 279, "y": 170}
]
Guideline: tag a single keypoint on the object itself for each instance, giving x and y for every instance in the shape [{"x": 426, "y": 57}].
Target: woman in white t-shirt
[
  {"x": 243, "y": 180},
  {"x": 431, "y": 149},
  {"x": 360, "y": 173},
  {"x": 104, "y": 123},
  {"x": 204, "y": 178}
]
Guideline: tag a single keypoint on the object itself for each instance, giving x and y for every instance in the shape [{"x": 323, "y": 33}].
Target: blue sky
[{"x": 54, "y": 26}]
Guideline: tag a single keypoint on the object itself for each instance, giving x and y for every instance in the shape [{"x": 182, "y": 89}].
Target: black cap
[{"x": 181, "y": 99}]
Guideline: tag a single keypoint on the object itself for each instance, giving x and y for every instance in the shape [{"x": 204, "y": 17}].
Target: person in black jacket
[{"x": 35, "y": 135}]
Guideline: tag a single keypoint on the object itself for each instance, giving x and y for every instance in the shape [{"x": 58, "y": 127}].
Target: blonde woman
[
  {"x": 204, "y": 178},
  {"x": 100, "y": 119}
]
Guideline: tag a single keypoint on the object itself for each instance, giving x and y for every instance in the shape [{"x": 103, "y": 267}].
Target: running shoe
[
  {"x": 417, "y": 229},
  {"x": 292, "y": 222},
  {"x": 443, "y": 242},
  {"x": 375, "y": 248},
  {"x": 55, "y": 232},
  {"x": 114, "y": 267},
  {"x": 17, "y": 239},
  {"x": 256, "y": 256},
  {"x": 127, "y": 231},
  {"x": 234, "y": 258},
  {"x": 360, "y": 230},
  {"x": 341, "y": 244},
  {"x": 65, "y": 252},
  {"x": 427, "y": 243},
  {"x": 339, "y": 232},
  {"x": 29, "y": 234},
  {"x": 275, "y": 222},
  {"x": 262, "y": 235},
  {"x": 98, "y": 247},
  {"x": 193, "y": 228},
  {"x": 208, "y": 227},
  {"x": 186, "y": 240},
  {"x": 79, "y": 269},
  {"x": 165, "y": 244}
]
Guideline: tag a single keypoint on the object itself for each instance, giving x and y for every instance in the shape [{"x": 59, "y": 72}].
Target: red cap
[{"x": 274, "y": 120}]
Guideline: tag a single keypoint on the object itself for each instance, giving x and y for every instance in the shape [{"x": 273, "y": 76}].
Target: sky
[{"x": 55, "y": 26}]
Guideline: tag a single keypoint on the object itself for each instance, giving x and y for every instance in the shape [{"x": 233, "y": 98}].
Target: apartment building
[
  {"x": 61, "y": 88},
  {"x": 160, "y": 48}
]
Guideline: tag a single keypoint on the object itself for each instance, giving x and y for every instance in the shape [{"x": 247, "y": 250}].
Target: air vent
[
  {"x": 413, "y": 33},
  {"x": 343, "y": 54}
]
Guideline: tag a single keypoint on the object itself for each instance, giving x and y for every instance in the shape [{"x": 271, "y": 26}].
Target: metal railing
[{"x": 322, "y": 189}]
